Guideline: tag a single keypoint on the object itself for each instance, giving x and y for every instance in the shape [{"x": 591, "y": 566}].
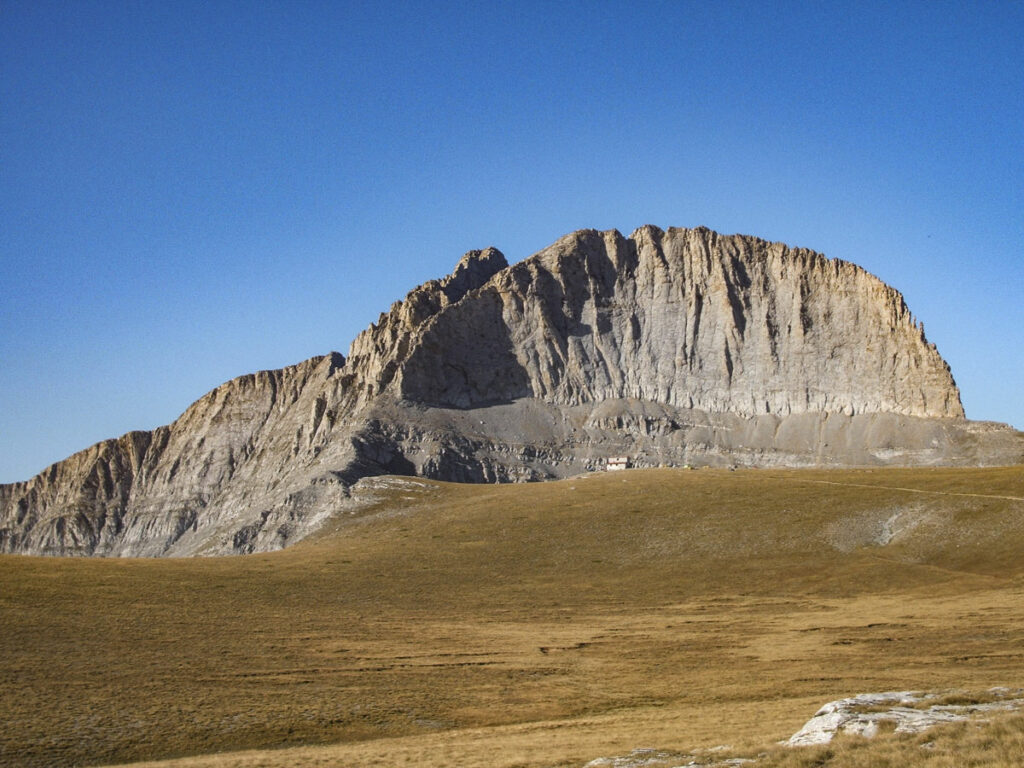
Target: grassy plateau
[{"x": 536, "y": 625}]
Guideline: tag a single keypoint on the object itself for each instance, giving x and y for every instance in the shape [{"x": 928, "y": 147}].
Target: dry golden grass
[{"x": 538, "y": 625}]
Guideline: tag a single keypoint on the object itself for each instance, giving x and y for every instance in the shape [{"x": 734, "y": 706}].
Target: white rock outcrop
[{"x": 907, "y": 711}]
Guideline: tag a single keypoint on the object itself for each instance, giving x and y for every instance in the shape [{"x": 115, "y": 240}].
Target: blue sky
[{"x": 193, "y": 191}]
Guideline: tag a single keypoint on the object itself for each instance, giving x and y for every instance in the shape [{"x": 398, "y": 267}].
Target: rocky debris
[
  {"x": 638, "y": 758},
  {"x": 655, "y": 758},
  {"x": 677, "y": 347},
  {"x": 862, "y": 715}
]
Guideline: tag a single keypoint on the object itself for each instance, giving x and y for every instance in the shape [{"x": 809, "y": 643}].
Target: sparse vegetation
[{"x": 533, "y": 625}]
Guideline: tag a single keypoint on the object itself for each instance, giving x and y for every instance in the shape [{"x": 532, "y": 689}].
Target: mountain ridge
[{"x": 677, "y": 346}]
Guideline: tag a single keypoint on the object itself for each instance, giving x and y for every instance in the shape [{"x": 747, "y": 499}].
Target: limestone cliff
[
  {"x": 675, "y": 347},
  {"x": 688, "y": 318}
]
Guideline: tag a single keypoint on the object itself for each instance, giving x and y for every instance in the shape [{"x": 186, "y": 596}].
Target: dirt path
[{"x": 917, "y": 490}]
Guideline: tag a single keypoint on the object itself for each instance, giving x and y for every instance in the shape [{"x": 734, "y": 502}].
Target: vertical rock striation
[{"x": 689, "y": 318}]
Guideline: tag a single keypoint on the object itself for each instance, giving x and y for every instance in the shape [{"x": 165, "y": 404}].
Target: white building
[{"x": 617, "y": 462}]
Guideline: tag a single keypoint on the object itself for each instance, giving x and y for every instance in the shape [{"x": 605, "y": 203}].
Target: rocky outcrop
[
  {"x": 907, "y": 712},
  {"x": 674, "y": 347}
]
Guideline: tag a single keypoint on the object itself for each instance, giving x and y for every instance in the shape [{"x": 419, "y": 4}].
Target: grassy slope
[{"x": 525, "y": 625}]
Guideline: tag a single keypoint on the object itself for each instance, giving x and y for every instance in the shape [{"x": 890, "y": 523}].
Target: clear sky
[{"x": 194, "y": 191}]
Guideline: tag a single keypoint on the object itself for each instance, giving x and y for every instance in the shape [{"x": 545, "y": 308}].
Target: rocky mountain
[{"x": 672, "y": 347}]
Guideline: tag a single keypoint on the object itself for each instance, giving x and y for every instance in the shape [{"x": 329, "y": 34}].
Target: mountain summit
[{"x": 671, "y": 347}]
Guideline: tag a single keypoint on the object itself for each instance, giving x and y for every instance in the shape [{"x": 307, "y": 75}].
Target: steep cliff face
[
  {"x": 689, "y": 318},
  {"x": 675, "y": 347}
]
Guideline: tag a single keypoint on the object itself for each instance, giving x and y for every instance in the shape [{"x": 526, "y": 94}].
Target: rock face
[
  {"x": 673, "y": 347},
  {"x": 687, "y": 318}
]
